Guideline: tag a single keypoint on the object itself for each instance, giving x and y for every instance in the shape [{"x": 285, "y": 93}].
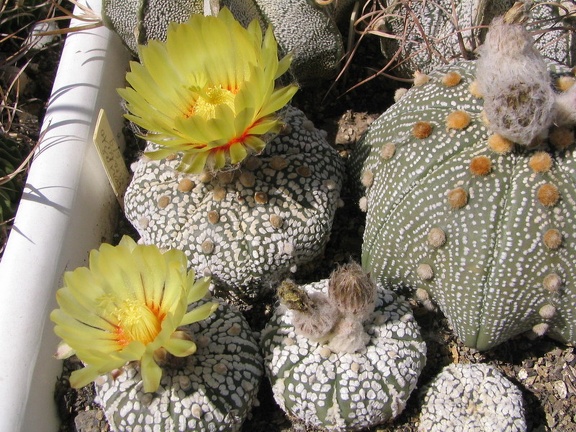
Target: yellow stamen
[
  {"x": 136, "y": 322},
  {"x": 206, "y": 104}
]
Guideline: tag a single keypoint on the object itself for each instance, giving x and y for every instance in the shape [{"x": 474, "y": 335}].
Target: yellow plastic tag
[{"x": 111, "y": 157}]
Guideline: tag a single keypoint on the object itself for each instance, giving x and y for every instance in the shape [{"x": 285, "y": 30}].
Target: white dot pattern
[
  {"x": 213, "y": 391},
  {"x": 248, "y": 252},
  {"x": 488, "y": 275},
  {"x": 343, "y": 391},
  {"x": 474, "y": 398}
]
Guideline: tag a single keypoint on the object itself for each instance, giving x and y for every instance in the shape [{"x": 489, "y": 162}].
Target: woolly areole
[{"x": 513, "y": 79}]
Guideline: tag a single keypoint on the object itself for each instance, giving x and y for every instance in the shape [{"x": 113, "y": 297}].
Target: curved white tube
[{"x": 67, "y": 209}]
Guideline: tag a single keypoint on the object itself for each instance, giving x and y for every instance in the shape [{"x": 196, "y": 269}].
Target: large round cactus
[
  {"x": 301, "y": 27},
  {"x": 480, "y": 224},
  {"x": 326, "y": 384},
  {"x": 249, "y": 227},
  {"x": 211, "y": 390}
]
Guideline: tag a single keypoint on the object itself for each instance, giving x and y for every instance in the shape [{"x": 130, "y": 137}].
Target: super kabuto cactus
[
  {"x": 247, "y": 193},
  {"x": 470, "y": 194},
  {"x": 342, "y": 353},
  {"x": 212, "y": 390},
  {"x": 471, "y": 397}
]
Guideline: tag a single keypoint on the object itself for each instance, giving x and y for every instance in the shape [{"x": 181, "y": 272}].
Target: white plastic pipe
[{"x": 67, "y": 209}]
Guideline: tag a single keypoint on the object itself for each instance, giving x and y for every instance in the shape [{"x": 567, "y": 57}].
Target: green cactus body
[
  {"x": 489, "y": 235},
  {"x": 211, "y": 390},
  {"x": 247, "y": 228},
  {"x": 434, "y": 34},
  {"x": 345, "y": 391},
  {"x": 300, "y": 27},
  {"x": 472, "y": 397}
]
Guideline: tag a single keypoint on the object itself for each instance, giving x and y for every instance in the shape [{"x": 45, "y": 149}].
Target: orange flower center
[{"x": 137, "y": 322}]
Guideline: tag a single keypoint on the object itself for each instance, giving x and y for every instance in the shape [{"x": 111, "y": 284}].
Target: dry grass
[
  {"x": 27, "y": 65},
  {"x": 405, "y": 36}
]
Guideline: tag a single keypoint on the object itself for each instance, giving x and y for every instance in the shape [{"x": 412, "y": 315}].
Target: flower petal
[
  {"x": 193, "y": 163},
  {"x": 237, "y": 153},
  {"x": 203, "y": 99},
  {"x": 151, "y": 373},
  {"x": 199, "y": 313},
  {"x": 198, "y": 289},
  {"x": 180, "y": 347},
  {"x": 82, "y": 377},
  {"x": 278, "y": 99}
]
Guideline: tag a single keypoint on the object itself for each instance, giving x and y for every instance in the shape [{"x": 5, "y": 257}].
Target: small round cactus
[
  {"x": 302, "y": 28},
  {"x": 211, "y": 390},
  {"x": 335, "y": 385},
  {"x": 472, "y": 397},
  {"x": 478, "y": 221},
  {"x": 248, "y": 228},
  {"x": 245, "y": 188}
]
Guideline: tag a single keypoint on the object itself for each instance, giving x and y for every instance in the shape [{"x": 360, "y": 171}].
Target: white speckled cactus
[
  {"x": 212, "y": 390},
  {"x": 137, "y": 21},
  {"x": 435, "y": 33},
  {"x": 247, "y": 228},
  {"x": 472, "y": 397},
  {"x": 481, "y": 225},
  {"x": 246, "y": 188},
  {"x": 302, "y": 28},
  {"x": 326, "y": 384}
]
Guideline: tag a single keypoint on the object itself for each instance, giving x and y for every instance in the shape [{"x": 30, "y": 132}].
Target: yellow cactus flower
[
  {"x": 208, "y": 91},
  {"x": 127, "y": 306}
]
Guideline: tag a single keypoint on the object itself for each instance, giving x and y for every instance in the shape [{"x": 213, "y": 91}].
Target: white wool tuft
[{"x": 513, "y": 77}]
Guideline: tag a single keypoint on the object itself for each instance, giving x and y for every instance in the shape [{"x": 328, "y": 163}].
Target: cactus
[
  {"x": 435, "y": 33},
  {"x": 138, "y": 21},
  {"x": 467, "y": 217},
  {"x": 302, "y": 28},
  {"x": 471, "y": 397},
  {"x": 333, "y": 385},
  {"x": 212, "y": 390},
  {"x": 315, "y": 42},
  {"x": 247, "y": 228},
  {"x": 245, "y": 204},
  {"x": 128, "y": 306}
]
